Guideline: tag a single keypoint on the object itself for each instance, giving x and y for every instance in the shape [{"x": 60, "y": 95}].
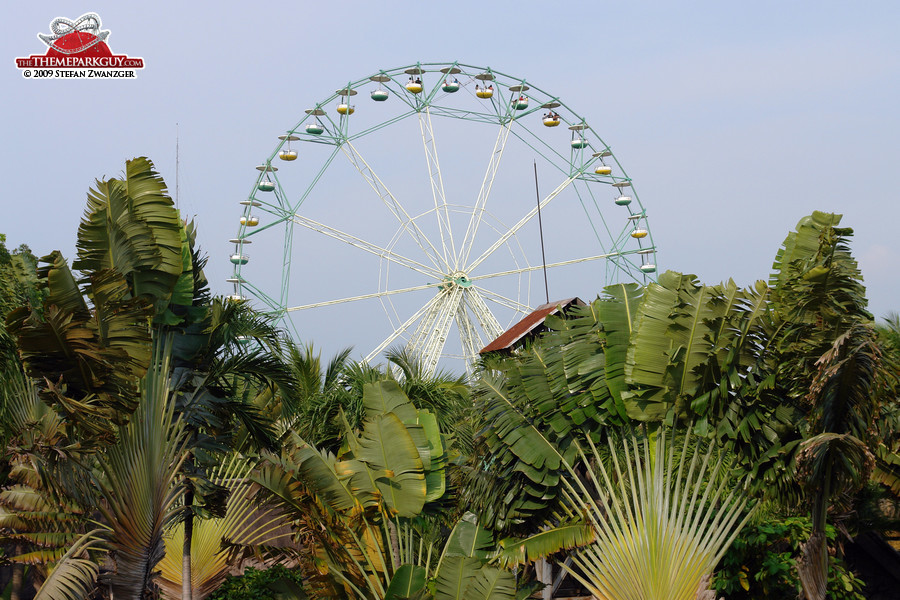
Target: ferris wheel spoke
[
  {"x": 362, "y": 244},
  {"x": 522, "y": 222},
  {"x": 414, "y": 288},
  {"x": 427, "y": 309},
  {"x": 468, "y": 335},
  {"x": 561, "y": 263},
  {"x": 503, "y": 301},
  {"x": 436, "y": 334},
  {"x": 437, "y": 187},
  {"x": 485, "y": 191},
  {"x": 418, "y": 339},
  {"x": 393, "y": 205},
  {"x": 486, "y": 318}
]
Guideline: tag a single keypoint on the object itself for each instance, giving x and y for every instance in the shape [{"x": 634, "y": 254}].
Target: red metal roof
[{"x": 511, "y": 336}]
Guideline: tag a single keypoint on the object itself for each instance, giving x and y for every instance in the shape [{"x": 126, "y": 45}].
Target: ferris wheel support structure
[{"x": 468, "y": 280}]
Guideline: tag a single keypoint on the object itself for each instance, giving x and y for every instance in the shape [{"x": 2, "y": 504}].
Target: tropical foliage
[
  {"x": 275, "y": 583},
  {"x": 762, "y": 563},
  {"x": 129, "y": 358},
  {"x": 157, "y": 439},
  {"x": 370, "y": 514}
]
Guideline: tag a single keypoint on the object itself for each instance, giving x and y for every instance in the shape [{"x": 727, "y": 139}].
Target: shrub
[{"x": 761, "y": 564}]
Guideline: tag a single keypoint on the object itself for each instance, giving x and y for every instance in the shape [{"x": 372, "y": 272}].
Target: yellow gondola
[
  {"x": 414, "y": 85},
  {"x": 484, "y": 92}
]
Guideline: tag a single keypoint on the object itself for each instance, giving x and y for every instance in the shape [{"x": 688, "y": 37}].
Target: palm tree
[
  {"x": 185, "y": 380},
  {"x": 227, "y": 368},
  {"x": 829, "y": 363}
]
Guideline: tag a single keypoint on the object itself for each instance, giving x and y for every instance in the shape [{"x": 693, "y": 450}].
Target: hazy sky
[{"x": 733, "y": 119}]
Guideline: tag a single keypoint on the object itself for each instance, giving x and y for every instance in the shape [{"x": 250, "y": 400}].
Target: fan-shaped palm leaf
[
  {"x": 661, "y": 525},
  {"x": 246, "y": 523}
]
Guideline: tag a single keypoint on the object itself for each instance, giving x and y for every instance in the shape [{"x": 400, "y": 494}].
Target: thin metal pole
[
  {"x": 177, "y": 162},
  {"x": 541, "y": 229}
]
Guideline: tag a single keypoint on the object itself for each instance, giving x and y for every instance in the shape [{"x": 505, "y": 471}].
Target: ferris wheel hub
[{"x": 455, "y": 279}]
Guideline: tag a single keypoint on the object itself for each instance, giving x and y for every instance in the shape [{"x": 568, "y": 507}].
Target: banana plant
[
  {"x": 368, "y": 511},
  {"x": 88, "y": 345},
  {"x": 829, "y": 362}
]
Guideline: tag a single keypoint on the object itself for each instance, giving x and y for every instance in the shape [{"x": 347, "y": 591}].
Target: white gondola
[
  {"x": 236, "y": 297},
  {"x": 603, "y": 169},
  {"x": 623, "y": 200},
  {"x": 315, "y": 128},
  {"x": 239, "y": 259},
  {"x": 647, "y": 265},
  {"x": 449, "y": 86},
  {"x": 250, "y": 221},
  {"x": 381, "y": 94},
  {"x": 520, "y": 103},
  {"x": 578, "y": 142},
  {"x": 266, "y": 185}
]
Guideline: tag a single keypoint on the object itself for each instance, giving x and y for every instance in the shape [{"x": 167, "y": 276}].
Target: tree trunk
[
  {"x": 395, "y": 544},
  {"x": 812, "y": 566},
  {"x": 186, "y": 591},
  {"x": 544, "y": 572},
  {"x": 703, "y": 590},
  {"x": 18, "y": 570}
]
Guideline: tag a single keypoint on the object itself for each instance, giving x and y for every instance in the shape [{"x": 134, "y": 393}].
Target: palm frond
[
  {"x": 75, "y": 575},
  {"x": 661, "y": 525},
  {"x": 246, "y": 523}
]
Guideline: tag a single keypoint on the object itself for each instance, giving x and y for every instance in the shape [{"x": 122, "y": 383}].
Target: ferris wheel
[{"x": 359, "y": 224}]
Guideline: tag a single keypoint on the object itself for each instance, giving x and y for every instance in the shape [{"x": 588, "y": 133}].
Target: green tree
[
  {"x": 828, "y": 364},
  {"x": 785, "y": 375},
  {"x": 148, "y": 380}
]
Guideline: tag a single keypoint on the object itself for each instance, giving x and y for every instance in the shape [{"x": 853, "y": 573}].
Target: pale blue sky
[{"x": 733, "y": 119}]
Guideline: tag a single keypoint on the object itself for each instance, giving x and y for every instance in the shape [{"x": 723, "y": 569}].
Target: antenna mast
[
  {"x": 541, "y": 228},
  {"x": 176, "y": 166}
]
